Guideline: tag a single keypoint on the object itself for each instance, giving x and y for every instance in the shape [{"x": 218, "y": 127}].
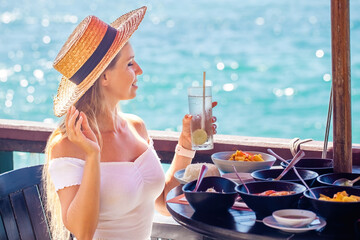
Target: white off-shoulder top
[{"x": 127, "y": 193}]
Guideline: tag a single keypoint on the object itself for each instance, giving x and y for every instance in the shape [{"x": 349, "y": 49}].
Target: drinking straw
[
  {"x": 203, "y": 112},
  {"x": 323, "y": 155}
]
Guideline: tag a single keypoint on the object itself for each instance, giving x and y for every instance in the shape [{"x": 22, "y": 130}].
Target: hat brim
[{"x": 68, "y": 92}]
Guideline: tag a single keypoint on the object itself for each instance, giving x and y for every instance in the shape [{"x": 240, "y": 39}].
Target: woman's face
[{"x": 120, "y": 81}]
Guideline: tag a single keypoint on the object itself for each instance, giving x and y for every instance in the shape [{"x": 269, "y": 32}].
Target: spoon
[
  {"x": 316, "y": 221},
  {"x": 299, "y": 155},
  {"x": 346, "y": 182},
  {"x": 203, "y": 170},
  {"x": 242, "y": 182},
  {"x": 295, "y": 171}
]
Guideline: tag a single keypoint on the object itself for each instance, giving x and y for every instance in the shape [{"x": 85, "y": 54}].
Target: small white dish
[
  {"x": 179, "y": 176},
  {"x": 294, "y": 217},
  {"x": 318, "y": 223}
]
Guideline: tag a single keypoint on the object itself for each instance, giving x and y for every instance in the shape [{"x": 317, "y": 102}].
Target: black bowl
[
  {"x": 337, "y": 212},
  {"x": 211, "y": 202},
  {"x": 330, "y": 178},
  {"x": 319, "y": 165},
  {"x": 265, "y": 205},
  {"x": 290, "y": 176}
]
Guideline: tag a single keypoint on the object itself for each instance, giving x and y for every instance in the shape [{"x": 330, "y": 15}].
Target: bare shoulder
[
  {"x": 138, "y": 124},
  {"x": 65, "y": 148}
]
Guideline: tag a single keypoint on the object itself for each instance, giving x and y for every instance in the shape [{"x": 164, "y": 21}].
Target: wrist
[
  {"x": 185, "y": 141},
  {"x": 93, "y": 155},
  {"x": 181, "y": 151}
]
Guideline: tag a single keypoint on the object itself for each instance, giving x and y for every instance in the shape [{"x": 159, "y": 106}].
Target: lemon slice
[{"x": 199, "y": 136}]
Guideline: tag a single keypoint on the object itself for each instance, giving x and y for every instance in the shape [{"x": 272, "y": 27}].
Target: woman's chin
[{"x": 132, "y": 95}]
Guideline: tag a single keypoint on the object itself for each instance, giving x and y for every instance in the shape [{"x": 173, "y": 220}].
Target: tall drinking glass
[{"x": 200, "y": 107}]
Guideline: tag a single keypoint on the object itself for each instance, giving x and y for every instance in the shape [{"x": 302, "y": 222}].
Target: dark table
[{"x": 237, "y": 224}]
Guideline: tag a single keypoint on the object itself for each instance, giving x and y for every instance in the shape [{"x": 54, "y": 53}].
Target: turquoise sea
[{"x": 269, "y": 61}]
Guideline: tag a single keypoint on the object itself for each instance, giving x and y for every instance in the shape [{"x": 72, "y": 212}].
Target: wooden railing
[{"x": 26, "y": 136}]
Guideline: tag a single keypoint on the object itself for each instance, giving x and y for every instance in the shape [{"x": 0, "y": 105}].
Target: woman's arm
[
  {"x": 80, "y": 204},
  {"x": 178, "y": 163}
]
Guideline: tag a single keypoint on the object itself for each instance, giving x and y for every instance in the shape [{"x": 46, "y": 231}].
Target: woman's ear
[{"x": 104, "y": 79}]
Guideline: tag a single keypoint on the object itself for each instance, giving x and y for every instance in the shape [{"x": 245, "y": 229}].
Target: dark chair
[{"x": 21, "y": 205}]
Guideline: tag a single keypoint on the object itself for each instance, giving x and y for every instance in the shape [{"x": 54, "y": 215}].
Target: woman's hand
[
  {"x": 185, "y": 137},
  {"x": 80, "y": 133}
]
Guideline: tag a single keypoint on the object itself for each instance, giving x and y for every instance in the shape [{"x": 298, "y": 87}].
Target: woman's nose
[{"x": 139, "y": 71}]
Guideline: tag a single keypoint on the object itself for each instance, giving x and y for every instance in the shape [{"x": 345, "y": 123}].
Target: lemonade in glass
[{"x": 200, "y": 107}]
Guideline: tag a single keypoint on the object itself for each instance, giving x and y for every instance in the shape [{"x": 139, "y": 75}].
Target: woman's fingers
[
  {"x": 78, "y": 126},
  {"x": 86, "y": 129},
  {"x": 213, "y": 119},
  {"x": 186, "y": 123},
  {"x": 185, "y": 136},
  {"x": 67, "y": 120},
  {"x": 214, "y": 128},
  {"x": 85, "y": 121},
  {"x": 72, "y": 119},
  {"x": 73, "y": 112},
  {"x": 68, "y": 115},
  {"x": 71, "y": 124}
]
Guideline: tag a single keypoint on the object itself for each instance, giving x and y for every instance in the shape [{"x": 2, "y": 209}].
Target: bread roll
[{"x": 192, "y": 171}]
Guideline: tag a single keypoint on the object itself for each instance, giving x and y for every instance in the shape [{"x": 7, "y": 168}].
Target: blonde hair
[{"x": 93, "y": 105}]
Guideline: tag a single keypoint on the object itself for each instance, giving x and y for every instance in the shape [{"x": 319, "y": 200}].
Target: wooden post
[{"x": 341, "y": 84}]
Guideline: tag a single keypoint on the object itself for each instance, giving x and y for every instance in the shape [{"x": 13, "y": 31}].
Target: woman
[{"x": 102, "y": 176}]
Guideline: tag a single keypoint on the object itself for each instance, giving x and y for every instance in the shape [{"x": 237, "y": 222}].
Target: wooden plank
[
  {"x": 164, "y": 142},
  {"x": 341, "y": 84},
  {"x": 36, "y": 213},
  {"x": 3, "y": 235},
  {"x": 41, "y": 191},
  {"x": 22, "y": 145},
  {"x": 15, "y": 129},
  {"x": 8, "y": 219},
  {"x": 22, "y": 215},
  {"x": 19, "y": 179}
]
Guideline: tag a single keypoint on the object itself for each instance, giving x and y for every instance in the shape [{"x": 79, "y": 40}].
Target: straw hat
[{"x": 87, "y": 52}]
